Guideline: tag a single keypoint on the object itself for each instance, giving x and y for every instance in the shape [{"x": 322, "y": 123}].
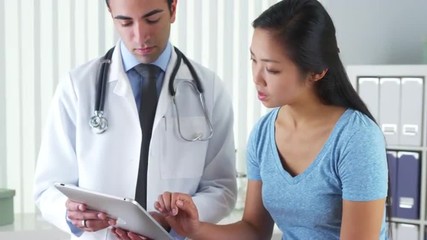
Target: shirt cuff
[
  {"x": 74, "y": 230},
  {"x": 176, "y": 236}
]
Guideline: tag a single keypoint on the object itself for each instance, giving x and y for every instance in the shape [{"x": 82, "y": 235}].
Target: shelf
[
  {"x": 404, "y": 220},
  {"x": 398, "y": 95},
  {"x": 406, "y": 148}
]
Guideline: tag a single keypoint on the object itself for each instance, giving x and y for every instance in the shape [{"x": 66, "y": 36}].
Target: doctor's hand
[
  {"x": 85, "y": 219},
  {"x": 122, "y": 234},
  {"x": 180, "y": 212},
  {"x": 126, "y": 235}
]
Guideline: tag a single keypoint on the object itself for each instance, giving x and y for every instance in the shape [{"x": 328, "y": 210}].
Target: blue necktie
[{"x": 147, "y": 112}]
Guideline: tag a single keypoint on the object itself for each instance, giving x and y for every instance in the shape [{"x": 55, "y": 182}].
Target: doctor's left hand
[
  {"x": 85, "y": 219},
  {"x": 126, "y": 235}
]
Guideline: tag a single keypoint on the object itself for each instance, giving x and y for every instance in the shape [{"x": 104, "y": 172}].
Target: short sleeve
[
  {"x": 363, "y": 165},
  {"x": 253, "y": 169}
]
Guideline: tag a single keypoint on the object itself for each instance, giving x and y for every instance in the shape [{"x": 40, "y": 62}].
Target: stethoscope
[{"x": 99, "y": 123}]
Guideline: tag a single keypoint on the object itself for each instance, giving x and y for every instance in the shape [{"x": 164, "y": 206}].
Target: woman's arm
[
  {"x": 362, "y": 220},
  {"x": 182, "y": 215}
]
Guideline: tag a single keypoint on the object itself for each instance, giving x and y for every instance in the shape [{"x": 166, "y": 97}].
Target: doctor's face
[
  {"x": 143, "y": 25},
  {"x": 277, "y": 78}
]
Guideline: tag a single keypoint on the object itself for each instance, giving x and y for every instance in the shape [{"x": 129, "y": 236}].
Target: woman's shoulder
[
  {"x": 266, "y": 120},
  {"x": 356, "y": 126},
  {"x": 358, "y": 121}
]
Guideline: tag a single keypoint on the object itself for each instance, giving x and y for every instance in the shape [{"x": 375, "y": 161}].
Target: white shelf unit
[{"x": 357, "y": 72}]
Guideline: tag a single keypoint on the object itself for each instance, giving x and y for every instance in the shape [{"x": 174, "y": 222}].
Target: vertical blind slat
[
  {"x": 37, "y": 71},
  {"x": 80, "y": 37},
  {"x": 13, "y": 99},
  {"x": 3, "y": 149},
  {"x": 27, "y": 100},
  {"x": 47, "y": 67}
]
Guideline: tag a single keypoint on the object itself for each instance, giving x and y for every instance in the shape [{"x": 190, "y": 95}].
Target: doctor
[{"x": 191, "y": 148}]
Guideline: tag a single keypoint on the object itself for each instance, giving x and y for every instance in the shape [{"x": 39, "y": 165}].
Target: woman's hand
[
  {"x": 180, "y": 212},
  {"x": 87, "y": 220}
]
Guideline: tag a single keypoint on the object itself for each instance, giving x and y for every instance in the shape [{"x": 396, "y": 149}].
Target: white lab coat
[{"x": 71, "y": 153}]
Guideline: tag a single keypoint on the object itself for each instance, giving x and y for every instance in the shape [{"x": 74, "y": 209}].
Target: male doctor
[{"x": 110, "y": 162}]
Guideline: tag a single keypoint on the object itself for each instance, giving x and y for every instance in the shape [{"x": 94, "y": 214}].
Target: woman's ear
[{"x": 314, "y": 77}]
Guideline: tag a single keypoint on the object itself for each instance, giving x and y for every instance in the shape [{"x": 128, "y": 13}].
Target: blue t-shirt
[{"x": 351, "y": 165}]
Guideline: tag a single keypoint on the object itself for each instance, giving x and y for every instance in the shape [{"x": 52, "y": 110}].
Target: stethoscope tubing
[
  {"x": 102, "y": 83},
  {"x": 99, "y": 123},
  {"x": 106, "y": 61},
  {"x": 193, "y": 73}
]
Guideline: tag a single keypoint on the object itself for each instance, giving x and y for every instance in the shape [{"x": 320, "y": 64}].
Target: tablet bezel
[{"x": 129, "y": 214}]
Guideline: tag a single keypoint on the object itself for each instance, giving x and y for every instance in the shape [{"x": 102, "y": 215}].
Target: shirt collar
[{"x": 130, "y": 61}]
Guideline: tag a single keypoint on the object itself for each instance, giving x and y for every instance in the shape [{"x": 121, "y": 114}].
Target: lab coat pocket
[{"x": 181, "y": 158}]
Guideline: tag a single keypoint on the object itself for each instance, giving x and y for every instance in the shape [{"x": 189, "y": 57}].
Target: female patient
[{"x": 317, "y": 162}]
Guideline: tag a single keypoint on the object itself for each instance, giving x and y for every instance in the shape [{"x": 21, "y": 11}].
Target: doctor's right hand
[
  {"x": 180, "y": 212},
  {"x": 85, "y": 219}
]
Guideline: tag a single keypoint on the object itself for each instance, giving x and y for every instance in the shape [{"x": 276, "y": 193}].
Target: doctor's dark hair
[
  {"x": 169, "y": 3},
  {"x": 307, "y": 33}
]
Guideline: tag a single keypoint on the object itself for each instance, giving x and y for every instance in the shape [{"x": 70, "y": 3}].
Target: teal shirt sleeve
[
  {"x": 259, "y": 142},
  {"x": 253, "y": 171},
  {"x": 363, "y": 165}
]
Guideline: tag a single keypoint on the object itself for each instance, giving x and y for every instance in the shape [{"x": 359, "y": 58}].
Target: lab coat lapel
[
  {"x": 165, "y": 99},
  {"x": 117, "y": 73},
  {"x": 124, "y": 89}
]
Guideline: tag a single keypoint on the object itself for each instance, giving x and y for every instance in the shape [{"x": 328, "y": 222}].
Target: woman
[{"x": 317, "y": 162}]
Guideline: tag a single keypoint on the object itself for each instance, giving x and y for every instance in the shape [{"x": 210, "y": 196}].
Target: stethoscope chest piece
[{"x": 98, "y": 123}]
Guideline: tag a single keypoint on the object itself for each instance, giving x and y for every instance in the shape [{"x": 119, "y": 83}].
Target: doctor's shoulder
[
  {"x": 83, "y": 76},
  {"x": 86, "y": 72},
  {"x": 206, "y": 75},
  {"x": 212, "y": 84}
]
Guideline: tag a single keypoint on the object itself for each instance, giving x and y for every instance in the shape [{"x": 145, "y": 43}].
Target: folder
[
  {"x": 411, "y": 111},
  {"x": 369, "y": 90},
  {"x": 408, "y": 185},
  {"x": 389, "y": 110},
  {"x": 407, "y": 232},
  {"x": 392, "y": 168}
]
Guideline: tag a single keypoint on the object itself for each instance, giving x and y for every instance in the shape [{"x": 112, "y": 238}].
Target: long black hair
[{"x": 306, "y": 31}]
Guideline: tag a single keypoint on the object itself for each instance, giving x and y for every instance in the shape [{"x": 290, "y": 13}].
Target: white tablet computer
[{"x": 129, "y": 214}]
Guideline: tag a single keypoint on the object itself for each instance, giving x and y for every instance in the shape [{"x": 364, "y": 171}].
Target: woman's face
[{"x": 277, "y": 79}]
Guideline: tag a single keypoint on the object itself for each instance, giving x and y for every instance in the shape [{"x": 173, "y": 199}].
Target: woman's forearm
[{"x": 235, "y": 231}]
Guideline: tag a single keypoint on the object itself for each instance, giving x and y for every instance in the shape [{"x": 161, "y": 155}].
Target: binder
[
  {"x": 369, "y": 90},
  {"x": 411, "y": 111},
  {"x": 392, "y": 167},
  {"x": 407, "y": 232},
  {"x": 408, "y": 185},
  {"x": 389, "y": 110}
]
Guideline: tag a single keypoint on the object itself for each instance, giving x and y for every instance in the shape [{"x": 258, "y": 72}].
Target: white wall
[
  {"x": 380, "y": 31},
  {"x": 40, "y": 40}
]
